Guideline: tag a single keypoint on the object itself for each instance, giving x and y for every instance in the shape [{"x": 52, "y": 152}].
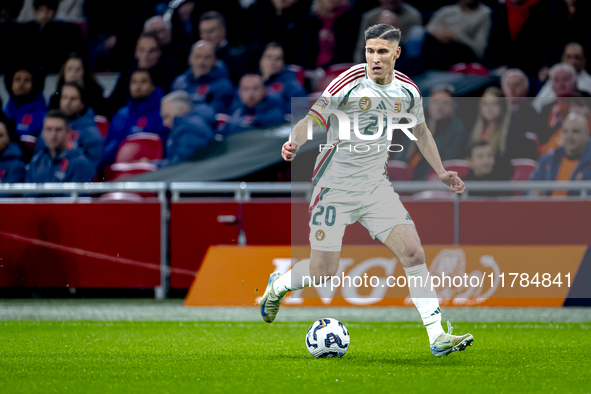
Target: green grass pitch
[{"x": 194, "y": 357}]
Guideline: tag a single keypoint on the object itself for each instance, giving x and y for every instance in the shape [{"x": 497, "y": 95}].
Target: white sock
[
  {"x": 425, "y": 300},
  {"x": 293, "y": 279}
]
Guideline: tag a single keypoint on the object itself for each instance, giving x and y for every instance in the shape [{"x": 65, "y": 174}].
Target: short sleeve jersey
[{"x": 356, "y": 163}]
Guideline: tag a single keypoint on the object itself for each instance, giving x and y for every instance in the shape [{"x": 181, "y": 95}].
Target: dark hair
[
  {"x": 88, "y": 78},
  {"x": 150, "y": 34},
  {"x": 213, "y": 15},
  {"x": 57, "y": 114},
  {"x": 36, "y": 73},
  {"x": 51, "y": 4},
  {"x": 475, "y": 144},
  {"x": 81, "y": 92},
  {"x": 383, "y": 31},
  {"x": 274, "y": 44},
  {"x": 144, "y": 70}
]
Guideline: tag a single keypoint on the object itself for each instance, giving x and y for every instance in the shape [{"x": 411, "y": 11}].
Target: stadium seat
[
  {"x": 29, "y": 142},
  {"x": 399, "y": 171},
  {"x": 119, "y": 171},
  {"x": 138, "y": 146},
  {"x": 103, "y": 124},
  {"x": 472, "y": 68},
  {"x": 459, "y": 166},
  {"x": 331, "y": 73},
  {"x": 299, "y": 72},
  {"x": 522, "y": 168}
]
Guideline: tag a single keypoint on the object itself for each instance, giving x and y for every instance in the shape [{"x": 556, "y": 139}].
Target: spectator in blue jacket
[
  {"x": 12, "y": 168},
  {"x": 56, "y": 163},
  {"x": 85, "y": 134},
  {"x": 190, "y": 134},
  {"x": 26, "y": 107},
  {"x": 571, "y": 162},
  {"x": 140, "y": 115},
  {"x": 280, "y": 83},
  {"x": 256, "y": 109},
  {"x": 204, "y": 80}
]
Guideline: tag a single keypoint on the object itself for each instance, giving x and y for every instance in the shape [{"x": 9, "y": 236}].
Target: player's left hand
[{"x": 451, "y": 179}]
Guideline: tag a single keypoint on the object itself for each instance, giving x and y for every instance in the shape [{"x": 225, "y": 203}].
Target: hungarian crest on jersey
[{"x": 365, "y": 103}]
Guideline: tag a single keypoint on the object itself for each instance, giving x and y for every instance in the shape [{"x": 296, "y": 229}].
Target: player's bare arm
[
  {"x": 297, "y": 138},
  {"x": 428, "y": 148}
]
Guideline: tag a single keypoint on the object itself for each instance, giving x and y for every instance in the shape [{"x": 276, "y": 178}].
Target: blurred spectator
[
  {"x": 405, "y": 16},
  {"x": 575, "y": 56},
  {"x": 552, "y": 118},
  {"x": 141, "y": 114},
  {"x": 564, "y": 84},
  {"x": 212, "y": 28},
  {"x": 280, "y": 83},
  {"x": 516, "y": 39},
  {"x": 481, "y": 160},
  {"x": 570, "y": 162},
  {"x": 190, "y": 134},
  {"x": 48, "y": 43},
  {"x": 148, "y": 56},
  {"x": 173, "y": 57},
  {"x": 185, "y": 20},
  {"x": 84, "y": 134},
  {"x": 12, "y": 168},
  {"x": 55, "y": 162},
  {"x": 457, "y": 34},
  {"x": 515, "y": 86},
  {"x": 76, "y": 70},
  {"x": 496, "y": 124},
  {"x": 281, "y": 21},
  {"x": 329, "y": 34},
  {"x": 67, "y": 11},
  {"x": 447, "y": 129},
  {"x": 26, "y": 107},
  {"x": 204, "y": 80},
  {"x": 256, "y": 110},
  {"x": 113, "y": 28}
]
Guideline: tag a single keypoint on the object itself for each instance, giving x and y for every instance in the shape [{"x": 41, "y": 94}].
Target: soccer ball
[{"x": 327, "y": 338}]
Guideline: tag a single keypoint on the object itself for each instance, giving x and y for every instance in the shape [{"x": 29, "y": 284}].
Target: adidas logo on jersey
[{"x": 381, "y": 106}]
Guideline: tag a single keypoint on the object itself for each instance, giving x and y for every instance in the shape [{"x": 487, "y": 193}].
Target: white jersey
[{"x": 356, "y": 164}]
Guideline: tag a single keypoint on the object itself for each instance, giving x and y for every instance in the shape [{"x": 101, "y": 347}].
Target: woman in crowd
[{"x": 76, "y": 70}]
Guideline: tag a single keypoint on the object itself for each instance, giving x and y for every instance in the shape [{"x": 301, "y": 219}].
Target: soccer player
[{"x": 351, "y": 184}]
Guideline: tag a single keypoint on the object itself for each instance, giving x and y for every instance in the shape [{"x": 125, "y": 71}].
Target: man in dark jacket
[
  {"x": 49, "y": 42},
  {"x": 56, "y": 163},
  {"x": 85, "y": 134},
  {"x": 26, "y": 107},
  {"x": 148, "y": 56},
  {"x": 204, "y": 81},
  {"x": 280, "y": 83},
  {"x": 190, "y": 134},
  {"x": 256, "y": 110},
  {"x": 140, "y": 115},
  {"x": 12, "y": 169},
  {"x": 571, "y": 162}
]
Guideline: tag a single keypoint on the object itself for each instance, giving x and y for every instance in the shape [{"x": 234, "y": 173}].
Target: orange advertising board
[{"x": 471, "y": 275}]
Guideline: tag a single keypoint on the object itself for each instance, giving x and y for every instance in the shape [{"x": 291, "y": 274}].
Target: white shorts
[{"x": 379, "y": 210}]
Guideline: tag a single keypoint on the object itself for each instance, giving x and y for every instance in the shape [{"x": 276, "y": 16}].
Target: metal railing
[{"x": 243, "y": 192}]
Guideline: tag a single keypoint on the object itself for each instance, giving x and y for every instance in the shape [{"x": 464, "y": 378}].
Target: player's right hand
[{"x": 289, "y": 150}]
